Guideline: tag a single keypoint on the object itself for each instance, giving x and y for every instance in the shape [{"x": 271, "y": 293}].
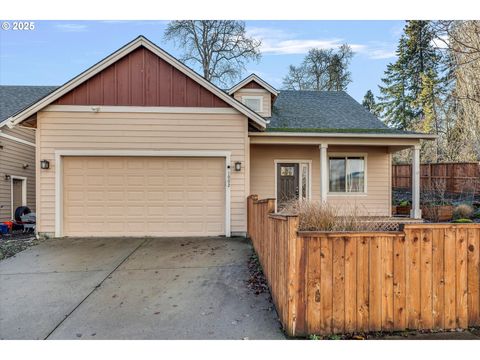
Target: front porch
[{"x": 340, "y": 171}]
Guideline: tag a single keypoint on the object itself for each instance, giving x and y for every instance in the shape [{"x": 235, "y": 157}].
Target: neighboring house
[
  {"x": 141, "y": 145},
  {"x": 17, "y": 150}
]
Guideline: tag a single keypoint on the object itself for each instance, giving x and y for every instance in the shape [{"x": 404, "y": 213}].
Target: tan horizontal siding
[
  {"x": 21, "y": 133},
  {"x": 140, "y": 131},
  {"x": 376, "y": 201},
  {"x": 13, "y": 156}
]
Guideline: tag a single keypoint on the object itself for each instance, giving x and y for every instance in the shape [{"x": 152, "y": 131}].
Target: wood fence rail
[
  {"x": 424, "y": 277},
  {"x": 452, "y": 177}
]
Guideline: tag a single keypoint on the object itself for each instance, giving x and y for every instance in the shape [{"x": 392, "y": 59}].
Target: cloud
[
  {"x": 441, "y": 42},
  {"x": 71, "y": 27},
  {"x": 379, "y": 50},
  {"x": 379, "y": 54},
  {"x": 279, "y": 42}
]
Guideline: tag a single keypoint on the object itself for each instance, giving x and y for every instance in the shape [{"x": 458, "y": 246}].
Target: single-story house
[
  {"x": 141, "y": 145},
  {"x": 17, "y": 150}
]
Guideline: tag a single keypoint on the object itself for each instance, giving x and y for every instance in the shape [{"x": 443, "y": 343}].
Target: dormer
[{"x": 256, "y": 94}]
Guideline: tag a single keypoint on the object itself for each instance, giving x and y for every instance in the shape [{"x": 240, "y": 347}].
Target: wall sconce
[
  {"x": 45, "y": 164},
  {"x": 238, "y": 166},
  {"x": 25, "y": 166},
  {"x": 7, "y": 177}
]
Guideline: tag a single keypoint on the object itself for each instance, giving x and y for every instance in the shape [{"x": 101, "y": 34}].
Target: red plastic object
[{"x": 9, "y": 224}]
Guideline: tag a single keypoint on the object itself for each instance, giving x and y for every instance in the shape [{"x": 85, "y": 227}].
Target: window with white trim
[
  {"x": 255, "y": 103},
  {"x": 347, "y": 174}
]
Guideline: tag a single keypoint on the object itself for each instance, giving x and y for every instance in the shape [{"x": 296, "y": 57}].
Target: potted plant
[{"x": 403, "y": 208}]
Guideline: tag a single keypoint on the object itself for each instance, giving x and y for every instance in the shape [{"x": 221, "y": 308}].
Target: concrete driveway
[{"x": 182, "y": 288}]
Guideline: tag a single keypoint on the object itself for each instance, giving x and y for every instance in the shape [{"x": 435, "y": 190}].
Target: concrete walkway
[{"x": 182, "y": 288}]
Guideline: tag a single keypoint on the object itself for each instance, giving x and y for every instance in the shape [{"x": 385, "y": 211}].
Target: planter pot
[
  {"x": 403, "y": 210},
  {"x": 438, "y": 213}
]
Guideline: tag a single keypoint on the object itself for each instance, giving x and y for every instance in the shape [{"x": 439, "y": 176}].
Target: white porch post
[
  {"x": 323, "y": 172},
  {"x": 416, "y": 213}
]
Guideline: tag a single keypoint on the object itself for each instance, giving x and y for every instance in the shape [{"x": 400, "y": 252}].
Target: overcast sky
[{"x": 56, "y": 51}]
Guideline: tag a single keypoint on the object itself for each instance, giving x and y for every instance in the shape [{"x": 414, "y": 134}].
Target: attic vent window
[{"x": 255, "y": 103}]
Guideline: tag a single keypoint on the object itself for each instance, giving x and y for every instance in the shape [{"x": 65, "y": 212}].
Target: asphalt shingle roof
[
  {"x": 322, "y": 110},
  {"x": 14, "y": 98}
]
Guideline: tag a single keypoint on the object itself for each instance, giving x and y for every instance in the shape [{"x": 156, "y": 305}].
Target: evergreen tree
[
  {"x": 369, "y": 102},
  {"x": 395, "y": 101},
  {"x": 421, "y": 54},
  {"x": 404, "y": 100}
]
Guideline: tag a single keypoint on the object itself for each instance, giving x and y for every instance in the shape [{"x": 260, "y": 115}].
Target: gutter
[{"x": 344, "y": 135}]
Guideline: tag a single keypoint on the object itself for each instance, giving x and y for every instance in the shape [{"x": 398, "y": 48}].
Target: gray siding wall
[{"x": 13, "y": 156}]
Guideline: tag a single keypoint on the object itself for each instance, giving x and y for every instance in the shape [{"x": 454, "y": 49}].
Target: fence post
[
  {"x": 293, "y": 274},
  {"x": 429, "y": 186},
  {"x": 250, "y": 204}
]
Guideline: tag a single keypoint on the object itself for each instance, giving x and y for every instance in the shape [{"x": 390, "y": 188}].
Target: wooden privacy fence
[
  {"x": 424, "y": 277},
  {"x": 451, "y": 177}
]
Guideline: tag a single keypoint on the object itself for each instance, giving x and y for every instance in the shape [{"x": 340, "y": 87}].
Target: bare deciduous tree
[
  {"x": 221, "y": 48},
  {"x": 321, "y": 69},
  {"x": 296, "y": 78},
  {"x": 462, "y": 38}
]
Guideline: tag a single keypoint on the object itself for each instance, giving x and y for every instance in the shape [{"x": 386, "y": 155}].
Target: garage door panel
[
  {"x": 96, "y": 163},
  {"x": 93, "y": 180},
  {"x": 74, "y": 179},
  {"x": 144, "y": 196},
  {"x": 133, "y": 195},
  {"x": 156, "y": 180},
  {"x": 195, "y": 195},
  {"x": 94, "y": 195},
  {"x": 135, "y": 163},
  {"x": 115, "y": 163},
  {"x": 155, "y": 165}
]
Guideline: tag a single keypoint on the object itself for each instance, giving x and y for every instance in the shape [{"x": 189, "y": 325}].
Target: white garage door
[{"x": 143, "y": 196}]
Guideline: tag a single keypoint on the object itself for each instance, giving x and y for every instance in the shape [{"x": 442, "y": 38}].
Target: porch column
[
  {"x": 416, "y": 213},
  {"x": 323, "y": 172}
]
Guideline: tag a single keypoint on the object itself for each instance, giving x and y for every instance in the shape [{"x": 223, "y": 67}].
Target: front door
[{"x": 287, "y": 184}]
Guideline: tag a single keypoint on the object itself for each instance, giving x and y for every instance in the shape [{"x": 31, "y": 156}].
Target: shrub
[
  {"x": 463, "y": 211},
  {"x": 318, "y": 216},
  {"x": 404, "y": 203},
  {"x": 462, "y": 221}
]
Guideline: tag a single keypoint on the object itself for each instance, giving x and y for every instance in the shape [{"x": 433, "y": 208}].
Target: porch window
[{"x": 347, "y": 174}]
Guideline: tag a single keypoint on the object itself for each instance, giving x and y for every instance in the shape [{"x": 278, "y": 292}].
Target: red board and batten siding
[
  {"x": 141, "y": 78},
  {"x": 252, "y": 85}
]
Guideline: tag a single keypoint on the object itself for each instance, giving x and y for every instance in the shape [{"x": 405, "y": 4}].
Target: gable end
[
  {"x": 252, "y": 85},
  {"x": 141, "y": 78}
]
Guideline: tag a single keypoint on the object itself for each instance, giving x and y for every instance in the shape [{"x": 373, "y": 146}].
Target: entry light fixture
[
  {"x": 238, "y": 166},
  {"x": 7, "y": 177},
  {"x": 45, "y": 164}
]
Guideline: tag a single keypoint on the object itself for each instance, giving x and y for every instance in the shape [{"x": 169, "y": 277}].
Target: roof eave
[
  {"x": 139, "y": 41},
  {"x": 256, "y": 78},
  {"x": 345, "y": 135}
]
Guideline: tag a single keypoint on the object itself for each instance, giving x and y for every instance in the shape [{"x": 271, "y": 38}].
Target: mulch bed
[
  {"x": 407, "y": 334},
  {"x": 12, "y": 244},
  {"x": 257, "y": 281}
]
